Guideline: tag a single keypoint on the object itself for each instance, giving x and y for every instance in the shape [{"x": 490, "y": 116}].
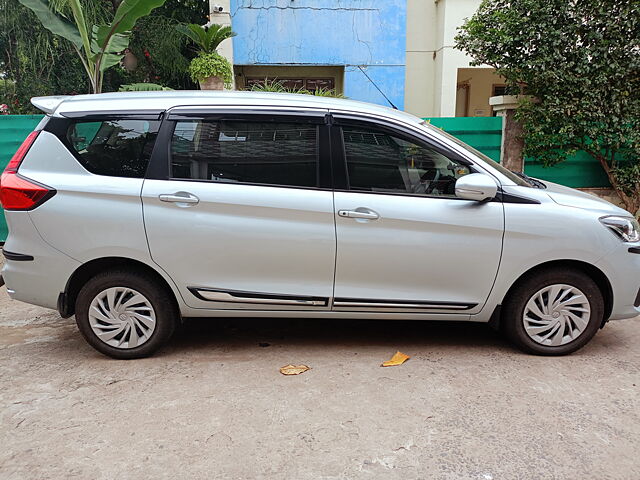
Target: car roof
[{"x": 164, "y": 100}]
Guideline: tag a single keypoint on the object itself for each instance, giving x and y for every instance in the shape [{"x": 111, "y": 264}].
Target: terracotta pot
[
  {"x": 129, "y": 61},
  {"x": 212, "y": 83}
]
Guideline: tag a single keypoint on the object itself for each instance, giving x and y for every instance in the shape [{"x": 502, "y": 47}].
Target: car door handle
[
  {"x": 368, "y": 214},
  {"x": 179, "y": 197}
]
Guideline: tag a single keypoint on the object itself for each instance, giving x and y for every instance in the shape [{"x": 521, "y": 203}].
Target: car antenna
[{"x": 378, "y": 88}]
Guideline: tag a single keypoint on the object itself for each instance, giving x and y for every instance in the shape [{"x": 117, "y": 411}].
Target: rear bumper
[
  {"x": 34, "y": 272},
  {"x": 39, "y": 282}
]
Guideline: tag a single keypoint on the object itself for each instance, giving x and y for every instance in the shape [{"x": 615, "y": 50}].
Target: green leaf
[
  {"x": 216, "y": 34},
  {"x": 206, "y": 38},
  {"x": 56, "y": 24},
  {"x": 130, "y": 11},
  {"x": 114, "y": 44},
  {"x": 193, "y": 31},
  {"x": 109, "y": 60}
]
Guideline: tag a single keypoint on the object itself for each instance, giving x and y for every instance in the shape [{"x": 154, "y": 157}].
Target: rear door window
[
  {"x": 114, "y": 147},
  {"x": 230, "y": 151}
]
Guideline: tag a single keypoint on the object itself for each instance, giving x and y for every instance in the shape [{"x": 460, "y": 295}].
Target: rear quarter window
[{"x": 113, "y": 147}]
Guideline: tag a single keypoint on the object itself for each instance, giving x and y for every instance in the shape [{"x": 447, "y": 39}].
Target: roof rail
[{"x": 48, "y": 104}]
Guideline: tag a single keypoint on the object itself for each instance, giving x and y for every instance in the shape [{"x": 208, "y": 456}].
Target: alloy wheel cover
[
  {"x": 122, "y": 317},
  {"x": 556, "y": 315}
]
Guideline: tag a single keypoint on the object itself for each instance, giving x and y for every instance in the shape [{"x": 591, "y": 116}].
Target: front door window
[{"x": 384, "y": 163}]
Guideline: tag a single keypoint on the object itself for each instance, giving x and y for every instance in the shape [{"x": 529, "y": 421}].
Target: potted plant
[{"x": 210, "y": 69}]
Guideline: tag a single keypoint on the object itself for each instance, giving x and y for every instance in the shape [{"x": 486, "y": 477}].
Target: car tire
[
  {"x": 553, "y": 312},
  {"x": 135, "y": 305}
]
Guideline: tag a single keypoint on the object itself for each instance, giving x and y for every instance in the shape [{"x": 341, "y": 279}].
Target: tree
[
  {"x": 99, "y": 46},
  {"x": 162, "y": 52},
  {"x": 34, "y": 62},
  {"x": 579, "y": 63}
]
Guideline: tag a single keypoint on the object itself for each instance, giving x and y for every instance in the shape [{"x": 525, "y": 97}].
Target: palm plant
[
  {"x": 278, "y": 87},
  {"x": 206, "y": 38},
  {"x": 98, "y": 46},
  {"x": 270, "y": 86},
  {"x": 143, "y": 87}
]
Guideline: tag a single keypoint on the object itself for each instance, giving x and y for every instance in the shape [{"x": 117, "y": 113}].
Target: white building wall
[
  {"x": 222, "y": 18},
  {"x": 420, "y": 73},
  {"x": 432, "y": 62}
]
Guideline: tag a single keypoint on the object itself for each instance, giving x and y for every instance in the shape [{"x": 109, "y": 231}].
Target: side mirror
[{"x": 476, "y": 186}]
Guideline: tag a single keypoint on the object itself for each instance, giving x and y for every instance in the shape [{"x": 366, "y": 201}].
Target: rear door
[
  {"x": 238, "y": 209},
  {"x": 405, "y": 242}
]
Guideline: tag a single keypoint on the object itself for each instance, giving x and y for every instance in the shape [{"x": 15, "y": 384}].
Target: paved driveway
[{"x": 213, "y": 405}]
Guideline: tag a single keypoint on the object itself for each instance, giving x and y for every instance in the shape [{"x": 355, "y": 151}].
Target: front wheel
[
  {"x": 554, "y": 312},
  {"x": 125, "y": 314}
]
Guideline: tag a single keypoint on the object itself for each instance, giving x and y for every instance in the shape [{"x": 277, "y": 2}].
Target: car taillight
[
  {"x": 19, "y": 193},
  {"x": 17, "y": 158}
]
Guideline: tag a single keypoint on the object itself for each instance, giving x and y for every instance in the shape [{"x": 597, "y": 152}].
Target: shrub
[{"x": 211, "y": 65}]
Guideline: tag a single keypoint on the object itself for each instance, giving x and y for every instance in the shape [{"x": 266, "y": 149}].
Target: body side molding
[{"x": 236, "y": 296}]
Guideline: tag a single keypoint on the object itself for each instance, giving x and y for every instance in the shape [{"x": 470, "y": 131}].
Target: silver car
[{"x": 134, "y": 210}]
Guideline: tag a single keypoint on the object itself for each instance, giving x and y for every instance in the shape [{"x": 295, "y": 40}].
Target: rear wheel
[
  {"x": 554, "y": 312},
  {"x": 125, "y": 314}
]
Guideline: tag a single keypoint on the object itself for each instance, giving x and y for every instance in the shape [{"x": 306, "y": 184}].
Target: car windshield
[{"x": 518, "y": 180}]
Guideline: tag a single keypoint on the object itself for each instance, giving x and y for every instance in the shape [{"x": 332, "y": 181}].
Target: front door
[
  {"x": 405, "y": 242},
  {"x": 241, "y": 221}
]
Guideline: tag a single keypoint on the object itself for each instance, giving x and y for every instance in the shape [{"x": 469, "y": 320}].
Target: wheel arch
[
  {"x": 67, "y": 299},
  {"x": 590, "y": 270}
]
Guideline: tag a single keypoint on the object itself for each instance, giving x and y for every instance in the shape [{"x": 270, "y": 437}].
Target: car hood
[{"x": 575, "y": 198}]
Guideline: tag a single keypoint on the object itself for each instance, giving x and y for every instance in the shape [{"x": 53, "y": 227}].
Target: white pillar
[
  {"x": 512, "y": 141},
  {"x": 219, "y": 13}
]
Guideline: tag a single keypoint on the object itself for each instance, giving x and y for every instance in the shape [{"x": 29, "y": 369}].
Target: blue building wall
[{"x": 351, "y": 33}]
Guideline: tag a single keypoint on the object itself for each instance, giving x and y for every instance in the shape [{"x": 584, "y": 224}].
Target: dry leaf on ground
[
  {"x": 398, "y": 359},
  {"x": 293, "y": 369}
]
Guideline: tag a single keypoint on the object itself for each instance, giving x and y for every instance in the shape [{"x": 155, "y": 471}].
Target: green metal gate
[
  {"x": 577, "y": 171},
  {"x": 13, "y": 130},
  {"x": 482, "y": 133},
  {"x": 485, "y": 134}
]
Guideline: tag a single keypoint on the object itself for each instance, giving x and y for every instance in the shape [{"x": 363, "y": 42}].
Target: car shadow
[{"x": 211, "y": 332}]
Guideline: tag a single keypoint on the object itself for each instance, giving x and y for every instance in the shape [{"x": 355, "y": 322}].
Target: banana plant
[
  {"x": 206, "y": 38},
  {"x": 98, "y": 46}
]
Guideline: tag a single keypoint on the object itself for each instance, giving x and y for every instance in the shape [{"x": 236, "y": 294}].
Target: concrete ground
[{"x": 213, "y": 405}]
